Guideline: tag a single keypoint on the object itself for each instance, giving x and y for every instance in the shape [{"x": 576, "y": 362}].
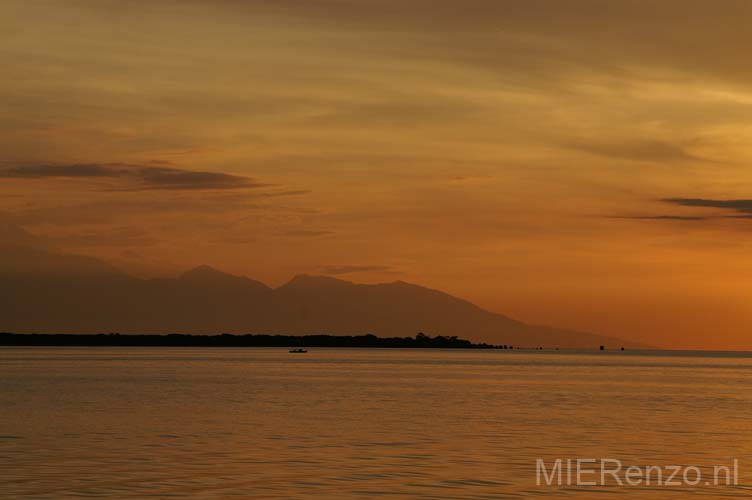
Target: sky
[{"x": 583, "y": 164}]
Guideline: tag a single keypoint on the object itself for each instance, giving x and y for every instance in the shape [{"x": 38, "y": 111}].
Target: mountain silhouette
[
  {"x": 209, "y": 277},
  {"x": 44, "y": 291}
]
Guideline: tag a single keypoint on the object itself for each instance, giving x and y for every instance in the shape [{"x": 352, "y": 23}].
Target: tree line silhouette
[{"x": 421, "y": 340}]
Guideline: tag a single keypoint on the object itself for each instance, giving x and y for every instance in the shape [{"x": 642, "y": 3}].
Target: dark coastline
[{"x": 228, "y": 340}]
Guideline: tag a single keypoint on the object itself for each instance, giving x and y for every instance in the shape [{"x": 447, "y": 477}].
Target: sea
[{"x": 262, "y": 423}]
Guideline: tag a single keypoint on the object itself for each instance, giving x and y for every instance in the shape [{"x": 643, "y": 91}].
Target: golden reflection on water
[{"x": 347, "y": 424}]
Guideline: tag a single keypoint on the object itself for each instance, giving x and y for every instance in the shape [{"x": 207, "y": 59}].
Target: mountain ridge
[{"x": 52, "y": 292}]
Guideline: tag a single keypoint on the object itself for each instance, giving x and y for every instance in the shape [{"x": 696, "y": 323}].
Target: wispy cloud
[
  {"x": 135, "y": 177},
  {"x": 740, "y": 205},
  {"x": 660, "y": 217},
  {"x": 742, "y": 209},
  {"x": 114, "y": 237},
  {"x": 349, "y": 269},
  {"x": 306, "y": 233},
  {"x": 647, "y": 150}
]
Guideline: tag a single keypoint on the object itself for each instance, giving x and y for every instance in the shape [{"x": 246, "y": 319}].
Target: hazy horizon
[{"x": 29, "y": 263}]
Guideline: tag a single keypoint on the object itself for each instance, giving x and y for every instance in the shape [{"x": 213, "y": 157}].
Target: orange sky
[{"x": 512, "y": 153}]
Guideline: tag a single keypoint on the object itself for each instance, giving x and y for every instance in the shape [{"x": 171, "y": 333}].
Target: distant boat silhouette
[{"x": 298, "y": 351}]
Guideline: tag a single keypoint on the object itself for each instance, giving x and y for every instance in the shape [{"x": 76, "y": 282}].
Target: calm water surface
[{"x": 360, "y": 424}]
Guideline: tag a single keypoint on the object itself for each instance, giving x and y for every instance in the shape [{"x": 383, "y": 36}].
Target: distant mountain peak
[
  {"x": 206, "y": 300},
  {"x": 305, "y": 281},
  {"x": 206, "y": 274},
  {"x": 12, "y": 235}
]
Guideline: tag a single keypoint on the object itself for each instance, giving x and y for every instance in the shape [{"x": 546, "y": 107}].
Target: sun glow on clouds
[{"x": 520, "y": 154}]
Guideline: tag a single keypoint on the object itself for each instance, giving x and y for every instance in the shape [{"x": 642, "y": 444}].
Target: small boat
[{"x": 296, "y": 351}]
